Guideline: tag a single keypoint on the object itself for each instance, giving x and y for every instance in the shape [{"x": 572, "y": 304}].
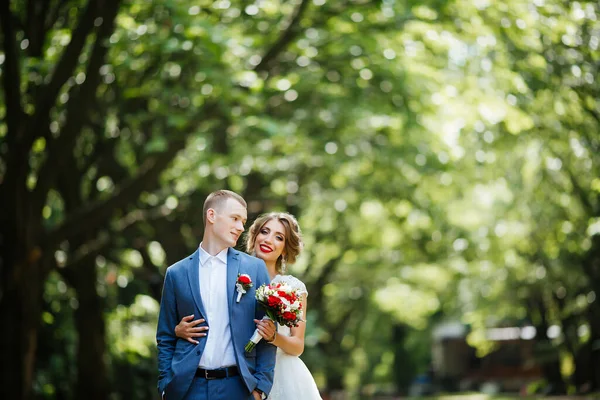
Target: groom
[{"x": 204, "y": 284}]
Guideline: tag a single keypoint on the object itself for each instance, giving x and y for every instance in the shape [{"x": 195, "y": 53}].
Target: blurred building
[{"x": 509, "y": 368}]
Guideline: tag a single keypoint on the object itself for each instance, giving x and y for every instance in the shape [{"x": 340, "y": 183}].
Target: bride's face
[{"x": 270, "y": 241}]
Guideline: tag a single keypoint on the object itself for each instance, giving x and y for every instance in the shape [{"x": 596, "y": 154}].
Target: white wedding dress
[{"x": 292, "y": 380}]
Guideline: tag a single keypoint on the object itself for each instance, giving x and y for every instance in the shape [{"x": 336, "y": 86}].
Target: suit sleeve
[
  {"x": 165, "y": 333},
  {"x": 265, "y": 352}
]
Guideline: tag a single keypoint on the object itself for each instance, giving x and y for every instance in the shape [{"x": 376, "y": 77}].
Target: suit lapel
[
  {"x": 233, "y": 268},
  {"x": 194, "y": 278}
]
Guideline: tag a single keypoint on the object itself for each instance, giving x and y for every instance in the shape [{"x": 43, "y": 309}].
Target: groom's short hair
[{"x": 218, "y": 198}]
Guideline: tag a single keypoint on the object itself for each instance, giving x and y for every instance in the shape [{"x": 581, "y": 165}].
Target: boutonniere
[{"x": 243, "y": 284}]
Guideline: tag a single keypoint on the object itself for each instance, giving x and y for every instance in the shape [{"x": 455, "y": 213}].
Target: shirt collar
[{"x": 204, "y": 256}]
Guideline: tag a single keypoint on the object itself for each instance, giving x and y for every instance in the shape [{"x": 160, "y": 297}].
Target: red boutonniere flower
[{"x": 243, "y": 284}]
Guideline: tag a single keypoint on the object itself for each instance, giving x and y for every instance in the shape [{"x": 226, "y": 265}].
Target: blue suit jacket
[{"x": 177, "y": 358}]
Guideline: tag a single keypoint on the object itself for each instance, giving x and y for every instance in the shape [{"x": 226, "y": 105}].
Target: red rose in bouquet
[
  {"x": 289, "y": 316},
  {"x": 273, "y": 301}
]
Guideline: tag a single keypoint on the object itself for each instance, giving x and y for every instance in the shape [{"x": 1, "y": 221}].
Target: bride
[{"x": 275, "y": 238}]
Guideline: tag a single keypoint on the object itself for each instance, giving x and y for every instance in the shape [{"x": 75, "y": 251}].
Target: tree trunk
[
  {"x": 21, "y": 289},
  {"x": 546, "y": 353},
  {"x": 92, "y": 380},
  {"x": 403, "y": 366},
  {"x": 335, "y": 383},
  {"x": 583, "y": 375},
  {"x": 592, "y": 267},
  {"x": 594, "y": 345}
]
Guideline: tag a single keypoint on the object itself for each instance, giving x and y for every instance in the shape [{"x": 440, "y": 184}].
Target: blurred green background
[{"x": 442, "y": 158}]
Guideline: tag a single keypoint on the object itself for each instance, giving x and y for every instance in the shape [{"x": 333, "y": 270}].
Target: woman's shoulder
[{"x": 292, "y": 281}]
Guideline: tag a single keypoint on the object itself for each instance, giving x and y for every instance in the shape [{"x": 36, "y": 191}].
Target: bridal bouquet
[{"x": 282, "y": 304}]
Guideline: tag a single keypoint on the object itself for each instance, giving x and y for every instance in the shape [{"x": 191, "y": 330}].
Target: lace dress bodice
[{"x": 291, "y": 280}]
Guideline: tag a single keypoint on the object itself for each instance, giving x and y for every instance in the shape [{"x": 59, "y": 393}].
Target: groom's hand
[
  {"x": 256, "y": 395},
  {"x": 187, "y": 330}
]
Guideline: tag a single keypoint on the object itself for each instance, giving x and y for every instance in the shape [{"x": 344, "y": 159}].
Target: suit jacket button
[{"x": 198, "y": 353}]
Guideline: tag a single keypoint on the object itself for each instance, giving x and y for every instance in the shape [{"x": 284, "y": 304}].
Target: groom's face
[{"x": 228, "y": 221}]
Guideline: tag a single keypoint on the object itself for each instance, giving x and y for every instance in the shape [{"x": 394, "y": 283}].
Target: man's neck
[{"x": 212, "y": 247}]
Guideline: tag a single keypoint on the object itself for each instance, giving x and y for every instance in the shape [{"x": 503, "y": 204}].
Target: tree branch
[
  {"x": 101, "y": 148},
  {"x": 36, "y": 29},
  {"x": 92, "y": 216},
  {"x": 317, "y": 288},
  {"x": 577, "y": 189},
  {"x": 65, "y": 67},
  {"x": 590, "y": 206},
  {"x": 84, "y": 256},
  {"x": 52, "y": 15},
  {"x": 149, "y": 273},
  {"x": 290, "y": 32},
  {"x": 79, "y": 107}
]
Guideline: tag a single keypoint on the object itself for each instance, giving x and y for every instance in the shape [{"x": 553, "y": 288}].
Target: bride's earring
[{"x": 283, "y": 265}]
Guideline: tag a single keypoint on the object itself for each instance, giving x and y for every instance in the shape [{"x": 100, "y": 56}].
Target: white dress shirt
[{"x": 213, "y": 289}]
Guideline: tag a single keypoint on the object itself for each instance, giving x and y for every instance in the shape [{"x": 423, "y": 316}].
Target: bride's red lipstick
[{"x": 265, "y": 249}]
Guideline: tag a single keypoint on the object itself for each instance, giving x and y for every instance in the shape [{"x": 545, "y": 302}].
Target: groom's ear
[{"x": 210, "y": 215}]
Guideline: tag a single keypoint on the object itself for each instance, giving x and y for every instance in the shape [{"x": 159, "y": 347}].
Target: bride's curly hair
[{"x": 293, "y": 237}]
